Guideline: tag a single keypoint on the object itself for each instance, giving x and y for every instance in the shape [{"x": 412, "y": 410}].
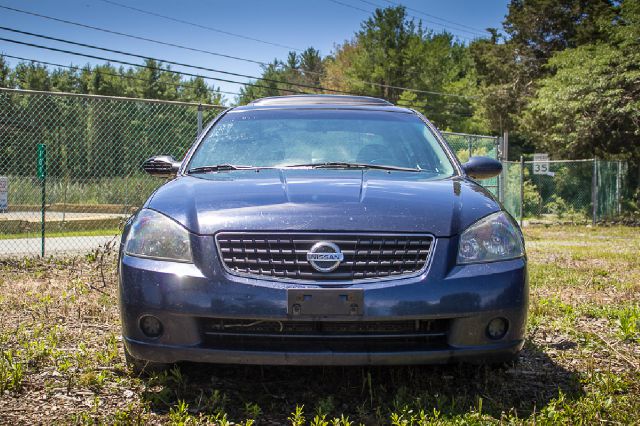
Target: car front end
[{"x": 308, "y": 265}]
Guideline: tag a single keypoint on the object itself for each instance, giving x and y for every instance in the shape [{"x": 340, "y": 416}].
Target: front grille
[
  {"x": 338, "y": 336},
  {"x": 284, "y": 255}
]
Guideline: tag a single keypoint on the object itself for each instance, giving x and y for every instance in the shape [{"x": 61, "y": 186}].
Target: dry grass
[{"x": 62, "y": 359}]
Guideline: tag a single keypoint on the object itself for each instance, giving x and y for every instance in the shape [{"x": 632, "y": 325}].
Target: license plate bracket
[{"x": 320, "y": 302}]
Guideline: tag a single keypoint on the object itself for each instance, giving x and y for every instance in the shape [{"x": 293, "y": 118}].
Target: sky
[{"x": 249, "y": 29}]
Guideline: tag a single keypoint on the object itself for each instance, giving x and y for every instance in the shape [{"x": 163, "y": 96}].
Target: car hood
[{"x": 323, "y": 200}]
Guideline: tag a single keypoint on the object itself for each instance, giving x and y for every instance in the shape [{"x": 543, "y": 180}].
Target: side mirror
[
  {"x": 482, "y": 167},
  {"x": 161, "y": 166}
]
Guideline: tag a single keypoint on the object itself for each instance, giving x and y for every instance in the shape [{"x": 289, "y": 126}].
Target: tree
[
  {"x": 510, "y": 66},
  {"x": 589, "y": 105},
  {"x": 392, "y": 51},
  {"x": 30, "y": 76},
  {"x": 4, "y": 72}
]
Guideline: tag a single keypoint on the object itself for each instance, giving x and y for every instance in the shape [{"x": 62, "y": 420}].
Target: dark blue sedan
[{"x": 322, "y": 230}]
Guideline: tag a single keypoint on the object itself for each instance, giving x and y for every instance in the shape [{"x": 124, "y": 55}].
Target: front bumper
[
  {"x": 461, "y": 299},
  {"x": 476, "y": 354}
]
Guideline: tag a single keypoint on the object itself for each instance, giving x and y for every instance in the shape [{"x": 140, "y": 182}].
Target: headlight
[
  {"x": 495, "y": 237},
  {"x": 156, "y": 236}
]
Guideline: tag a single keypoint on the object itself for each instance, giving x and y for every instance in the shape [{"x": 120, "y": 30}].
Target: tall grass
[{"x": 128, "y": 191}]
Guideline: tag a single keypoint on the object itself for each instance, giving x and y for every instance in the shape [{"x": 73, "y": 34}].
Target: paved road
[
  {"x": 53, "y": 246},
  {"x": 35, "y": 216}
]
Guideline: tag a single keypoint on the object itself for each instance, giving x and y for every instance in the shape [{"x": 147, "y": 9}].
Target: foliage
[
  {"x": 561, "y": 75},
  {"x": 299, "y": 74},
  {"x": 392, "y": 50},
  {"x": 154, "y": 81},
  {"x": 60, "y": 344},
  {"x": 590, "y": 105}
]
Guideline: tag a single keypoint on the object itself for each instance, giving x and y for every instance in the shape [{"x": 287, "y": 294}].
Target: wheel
[{"x": 142, "y": 367}]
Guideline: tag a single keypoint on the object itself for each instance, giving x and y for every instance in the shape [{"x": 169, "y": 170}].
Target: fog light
[
  {"x": 497, "y": 328},
  {"x": 150, "y": 326}
]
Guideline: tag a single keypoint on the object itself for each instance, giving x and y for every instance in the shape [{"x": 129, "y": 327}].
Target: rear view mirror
[
  {"x": 482, "y": 167},
  {"x": 161, "y": 166}
]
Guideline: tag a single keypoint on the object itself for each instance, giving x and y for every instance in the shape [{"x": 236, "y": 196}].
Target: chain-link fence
[
  {"x": 575, "y": 191},
  {"x": 70, "y": 168},
  {"x": 467, "y": 145},
  {"x": 510, "y": 192},
  {"x": 70, "y": 164}
]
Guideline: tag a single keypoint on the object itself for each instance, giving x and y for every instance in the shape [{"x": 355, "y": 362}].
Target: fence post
[
  {"x": 594, "y": 191},
  {"x": 199, "y": 119},
  {"x": 521, "y": 190},
  {"x": 505, "y": 144},
  {"x": 41, "y": 167},
  {"x": 618, "y": 188},
  {"x": 470, "y": 144},
  {"x": 500, "y": 151}
]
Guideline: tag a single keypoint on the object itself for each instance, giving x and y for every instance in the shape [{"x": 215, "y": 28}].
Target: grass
[
  {"x": 62, "y": 359},
  {"x": 129, "y": 190}
]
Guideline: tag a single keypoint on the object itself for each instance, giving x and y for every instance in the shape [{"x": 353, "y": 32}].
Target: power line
[
  {"x": 193, "y": 24},
  {"x": 350, "y": 5},
  {"x": 132, "y": 77},
  {"x": 166, "y": 61},
  {"x": 121, "y": 52},
  {"x": 133, "y": 64},
  {"x": 370, "y": 11},
  {"x": 228, "y": 56},
  {"x": 129, "y": 77},
  {"x": 400, "y": 103},
  {"x": 476, "y": 30},
  {"x": 101, "y": 58},
  {"x": 307, "y": 86},
  {"x": 473, "y": 33},
  {"x": 78, "y": 24}
]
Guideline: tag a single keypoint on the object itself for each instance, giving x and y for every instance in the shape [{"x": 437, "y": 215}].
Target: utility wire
[
  {"x": 101, "y": 58},
  {"x": 193, "y": 24},
  {"x": 473, "y": 33},
  {"x": 78, "y": 24},
  {"x": 226, "y": 56},
  {"x": 181, "y": 84},
  {"x": 350, "y": 5},
  {"x": 129, "y": 77},
  {"x": 370, "y": 11},
  {"x": 121, "y": 52},
  {"x": 404, "y": 103},
  {"x": 400, "y": 103},
  {"x": 475, "y": 30},
  {"x": 307, "y": 86}
]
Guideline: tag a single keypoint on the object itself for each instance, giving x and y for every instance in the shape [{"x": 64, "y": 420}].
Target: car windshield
[{"x": 333, "y": 138}]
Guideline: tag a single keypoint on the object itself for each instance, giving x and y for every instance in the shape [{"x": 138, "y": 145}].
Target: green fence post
[
  {"x": 42, "y": 175},
  {"x": 594, "y": 191},
  {"x": 521, "y": 190},
  {"x": 618, "y": 187}
]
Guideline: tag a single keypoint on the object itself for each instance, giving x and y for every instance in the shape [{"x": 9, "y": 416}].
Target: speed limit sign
[{"x": 541, "y": 164}]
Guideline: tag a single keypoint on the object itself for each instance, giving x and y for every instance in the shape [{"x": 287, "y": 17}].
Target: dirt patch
[{"x": 60, "y": 327}]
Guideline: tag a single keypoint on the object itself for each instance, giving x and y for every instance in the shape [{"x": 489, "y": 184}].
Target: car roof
[
  {"x": 320, "y": 100},
  {"x": 323, "y": 102}
]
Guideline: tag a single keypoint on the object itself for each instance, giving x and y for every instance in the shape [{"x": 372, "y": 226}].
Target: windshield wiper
[
  {"x": 346, "y": 165},
  {"x": 222, "y": 168}
]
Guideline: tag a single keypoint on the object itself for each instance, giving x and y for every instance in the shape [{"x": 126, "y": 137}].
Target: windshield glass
[{"x": 281, "y": 138}]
